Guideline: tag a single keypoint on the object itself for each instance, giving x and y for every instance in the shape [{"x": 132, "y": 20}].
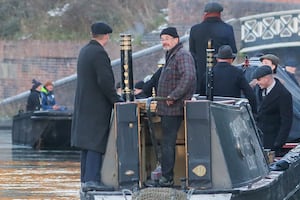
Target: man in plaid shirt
[{"x": 177, "y": 82}]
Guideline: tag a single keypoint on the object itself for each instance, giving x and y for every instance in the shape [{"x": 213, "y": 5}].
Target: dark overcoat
[
  {"x": 275, "y": 116},
  {"x": 94, "y": 98},
  {"x": 229, "y": 81},
  {"x": 212, "y": 28},
  {"x": 33, "y": 101}
]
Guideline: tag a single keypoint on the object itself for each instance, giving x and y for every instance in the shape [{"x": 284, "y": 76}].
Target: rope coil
[{"x": 159, "y": 193}]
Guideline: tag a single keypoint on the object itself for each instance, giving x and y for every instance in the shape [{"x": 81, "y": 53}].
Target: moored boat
[
  {"x": 42, "y": 129},
  {"x": 218, "y": 156}
]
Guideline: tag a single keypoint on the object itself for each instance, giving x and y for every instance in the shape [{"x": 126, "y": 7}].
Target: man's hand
[
  {"x": 56, "y": 107},
  {"x": 137, "y": 91},
  {"x": 169, "y": 101}
]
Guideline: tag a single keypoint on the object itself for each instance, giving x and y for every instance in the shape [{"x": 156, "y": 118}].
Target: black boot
[
  {"x": 165, "y": 182},
  {"x": 96, "y": 186}
]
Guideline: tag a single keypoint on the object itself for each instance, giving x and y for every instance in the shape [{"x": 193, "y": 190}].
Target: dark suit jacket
[
  {"x": 211, "y": 28},
  {"x": 275, "y": 115},
  {"x": 153, "y": 82},
  {"x": 94, "y": 99},
  {"x": 229, "y": 81}
]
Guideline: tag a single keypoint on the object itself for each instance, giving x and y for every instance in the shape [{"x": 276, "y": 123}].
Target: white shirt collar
[{"x": 270, "y": 87}]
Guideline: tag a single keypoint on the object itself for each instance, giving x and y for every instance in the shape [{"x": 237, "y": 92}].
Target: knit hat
[
  {"x": 170, "y": 31},
  {"x": 213, "y": 7},
  {"x": 35, "y": 84},
  {"x": 262, "y": 71},
  {"x": 100, "y": 28}
]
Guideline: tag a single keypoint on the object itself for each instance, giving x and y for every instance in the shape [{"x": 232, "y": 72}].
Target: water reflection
[{"x": 37, "y": 174}]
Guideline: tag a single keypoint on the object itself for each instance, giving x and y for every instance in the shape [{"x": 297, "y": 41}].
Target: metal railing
[{"x": 270, "y": 30}]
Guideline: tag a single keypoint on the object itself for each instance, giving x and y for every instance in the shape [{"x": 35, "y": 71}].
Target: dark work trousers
[
  {"x": 170, "y": 126},
  {"x": 91, "y": 163}
]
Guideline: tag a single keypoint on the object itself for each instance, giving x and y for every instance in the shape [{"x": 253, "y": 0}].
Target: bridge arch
[{"x": 270, "y": 31}]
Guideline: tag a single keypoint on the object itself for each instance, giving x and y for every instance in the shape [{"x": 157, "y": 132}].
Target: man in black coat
[
  {"x": 228, "y": 80},
  {"x": 275, "y": 113},
  {"x": 94, "y": 100},
  {"x": 152, "y": 83},
  {"x": 211, "y": 28}
]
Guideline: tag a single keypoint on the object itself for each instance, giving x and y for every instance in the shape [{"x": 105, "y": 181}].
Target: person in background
[
  {"x": 151, "y": 85},
  {"x": 48, "y": 98},
  {"x": 211, "y": 28},
  {"x": 273, "y": 61},
  {"x": 119, "y": 88},
  {"x": 228, "y": 80},
  {"x": 249, "y": 66},
  {"x": 94, "y": 100},
  {"x": 34, "y": 98},
  {"x": 270, "y": 60},
  {"x": 290, "y": 68},
  {"x": 177, "y": 83},
  {"x": 138, "y": 90},
  {"x": 275, "y": 113}
]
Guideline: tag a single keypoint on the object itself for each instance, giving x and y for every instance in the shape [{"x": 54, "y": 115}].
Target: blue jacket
[{"x": 48, "y": 100}]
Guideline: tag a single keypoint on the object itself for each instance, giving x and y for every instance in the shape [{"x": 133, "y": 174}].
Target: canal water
[{"x": 26, "y": 173}]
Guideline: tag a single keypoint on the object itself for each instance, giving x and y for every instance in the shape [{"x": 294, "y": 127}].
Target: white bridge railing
[{"x": 270, "y": 30}]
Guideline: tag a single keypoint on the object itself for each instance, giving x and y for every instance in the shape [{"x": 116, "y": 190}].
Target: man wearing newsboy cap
[
  {"x": 271, "y": 60},
  {"x": 211, "y": 28},
  {"x": 275, "y": 112},
  {"x": 94, "y": 100}
]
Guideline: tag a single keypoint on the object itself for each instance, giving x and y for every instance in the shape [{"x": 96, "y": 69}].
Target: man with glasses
[{"x": 177, "y": 83}]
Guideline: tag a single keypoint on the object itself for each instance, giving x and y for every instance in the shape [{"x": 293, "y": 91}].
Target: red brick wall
[{"x": 21, "y": 61}]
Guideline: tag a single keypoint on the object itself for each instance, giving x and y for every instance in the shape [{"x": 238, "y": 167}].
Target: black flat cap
[
  {"x": 262, "y": 71},
  {"x": 291, "y": 63},
  {"x": 225, "y": 52},
  {"x": 274, "y": 59},
  {"x": 213, "y": 7},
  {"x": 170, "y": 31},
  {"x": 100, "y": 28}
]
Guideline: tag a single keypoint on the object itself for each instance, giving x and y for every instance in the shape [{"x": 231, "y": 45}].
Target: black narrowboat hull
[{"x": 42, "y": 129}]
